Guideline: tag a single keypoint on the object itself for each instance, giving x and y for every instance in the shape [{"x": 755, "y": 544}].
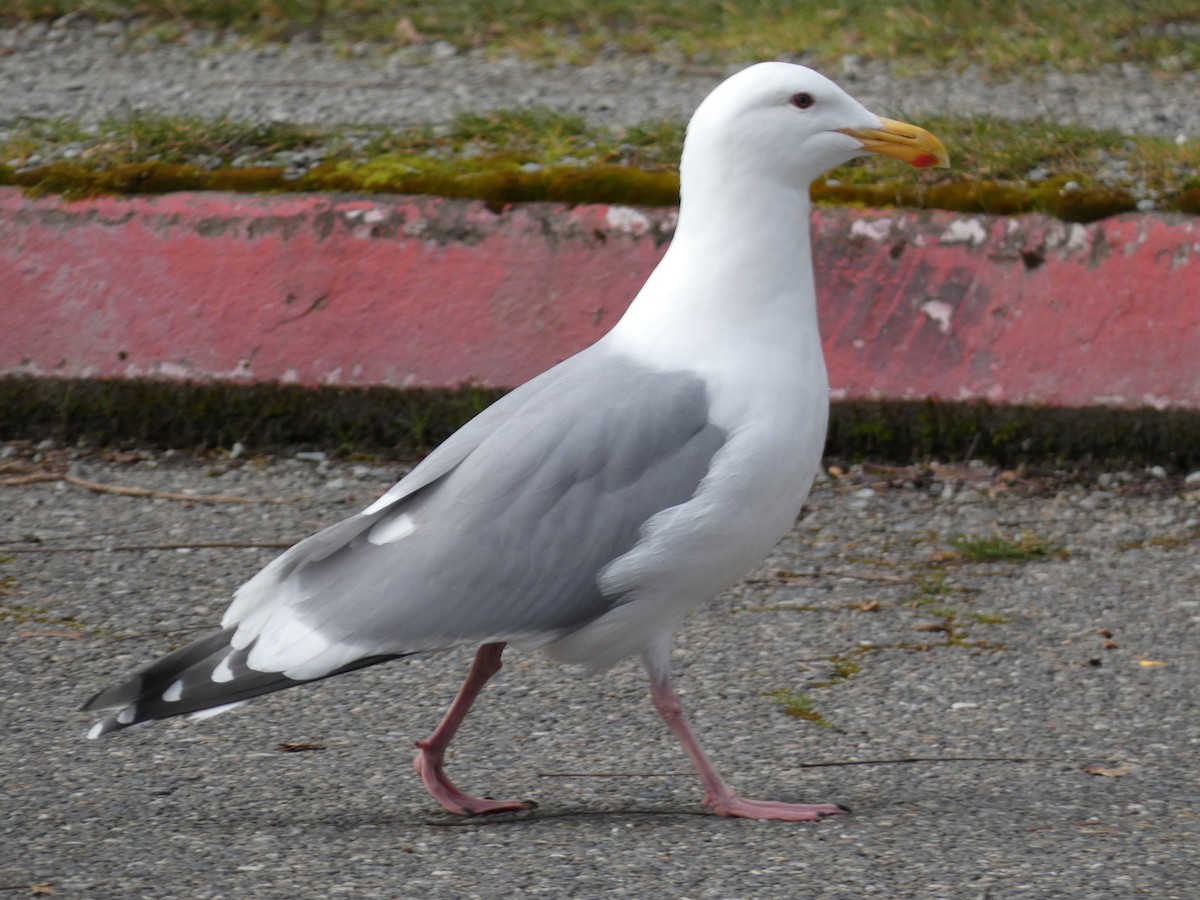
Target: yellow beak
[{"x": 905, "y": 142}]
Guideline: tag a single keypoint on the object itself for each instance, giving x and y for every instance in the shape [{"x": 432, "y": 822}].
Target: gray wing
[{"x": 501, "y": 532}]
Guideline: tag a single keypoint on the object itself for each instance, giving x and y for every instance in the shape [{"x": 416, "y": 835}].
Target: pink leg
[
  {"x": 717, "y": 794},
  {"x": 431, "y": 752}
]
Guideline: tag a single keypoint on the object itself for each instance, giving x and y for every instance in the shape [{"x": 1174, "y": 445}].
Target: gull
[{"x": 586, "y": 512}]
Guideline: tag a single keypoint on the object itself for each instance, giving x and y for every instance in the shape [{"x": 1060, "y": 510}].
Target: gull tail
[{"x": 202, "y": 679}]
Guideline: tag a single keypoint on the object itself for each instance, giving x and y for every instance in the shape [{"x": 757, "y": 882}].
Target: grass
[
  {"x": 1001, "y": 167},
  {"x": 844, "y": 668},
  {"x": 1002, "y": 36},
  {"x": 930, "y": 587},
  {"x": 1161, "y": 542},
  {"x": 536, "y": 154},
  {"x": 507, "y": 137},
  {"x": 798, "y": 705},
  {"x": 988, "y": 618},
  {"x": 997, "y": 548}
]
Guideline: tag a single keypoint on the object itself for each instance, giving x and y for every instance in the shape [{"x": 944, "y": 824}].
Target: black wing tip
[
  {"x": 110, "y": 723},
  {"x": 119, "y": 705},
  {"x": 163, "y": 689},
  {"x": 109, "y": 698},
  {"x": 124, "y": 698}
]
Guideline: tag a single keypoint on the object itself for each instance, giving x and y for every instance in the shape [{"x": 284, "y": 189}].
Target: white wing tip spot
[
  {"x": 393, "y": 529},
  {"x": 174, "y": 692},
  {"x": 203, "y": 714},
  {"x": 224, "y": 671}
]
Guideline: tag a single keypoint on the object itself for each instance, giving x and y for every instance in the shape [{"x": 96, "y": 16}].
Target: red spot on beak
[{"x": 925, "y": 160}]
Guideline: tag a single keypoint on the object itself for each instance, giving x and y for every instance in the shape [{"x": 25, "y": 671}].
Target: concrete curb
[{"x": 408, "y": 291}]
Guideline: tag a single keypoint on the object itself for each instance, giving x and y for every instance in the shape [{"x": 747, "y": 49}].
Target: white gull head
[{"x": 787, "y": 124}]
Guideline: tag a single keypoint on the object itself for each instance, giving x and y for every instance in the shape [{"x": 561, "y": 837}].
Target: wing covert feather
[{"x": 506, "y": 540}]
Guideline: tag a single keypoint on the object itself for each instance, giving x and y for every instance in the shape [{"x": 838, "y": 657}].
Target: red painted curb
[{"x": 409, "y": 291}]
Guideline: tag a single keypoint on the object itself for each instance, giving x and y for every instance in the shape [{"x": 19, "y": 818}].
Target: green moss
[
  {"x": 149, "y": 178},
  {"x": 955, "y": 635},
  {"x": 496, "y": 186},
  {"x": 993, "y": 198},
  {"x": 1057, "y": 197},
  {"x": 987, "y": 618},
  {"x": 523, "y": 155},
  {"x": 187, "y": 414},
  {"x": 844, "y": 668},
  {"x": 76, "y": 182},
  {"x": 1187, "y": 202},
  {"x": 614, "y": 184},
  {"x": 1061, "y": 197},
  {"x": 1015, "y": 435},
  {"x": 250, "y": 180},
  {"x": 184, "y": 414},
  {"x": 877, "y": 433}
]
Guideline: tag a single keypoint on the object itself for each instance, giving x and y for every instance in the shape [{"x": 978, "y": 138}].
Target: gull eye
[{"x": 803, "y": 100}]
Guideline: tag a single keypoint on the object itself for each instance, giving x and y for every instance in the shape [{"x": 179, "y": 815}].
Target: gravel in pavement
[{"x": 1072, "y": 673}]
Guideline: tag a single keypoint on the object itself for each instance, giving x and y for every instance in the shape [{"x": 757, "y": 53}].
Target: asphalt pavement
[{"x": 1025, "y": 727}]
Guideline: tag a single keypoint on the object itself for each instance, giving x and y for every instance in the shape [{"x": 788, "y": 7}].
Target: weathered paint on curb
[
  {"x": 406, "y": 291},
  {"x": 1012, "y": 310}
]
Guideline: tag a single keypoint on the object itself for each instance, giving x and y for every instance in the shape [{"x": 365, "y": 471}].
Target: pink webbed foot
[
  {"x": 431, "y": 752},
  {"x": 717, "y": 794},
  {"x": 734, "y": 806},
  {"x": 444, "y": 791}
]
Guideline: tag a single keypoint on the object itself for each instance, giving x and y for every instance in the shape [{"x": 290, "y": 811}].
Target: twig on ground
[
  {"x": 867, "y": 576},
  {"x": 899, "y": 760},
  {"x": 129, "y": 491},
  {"x": 833, "y": 573},
  {"x": 137, "y": 548}
]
